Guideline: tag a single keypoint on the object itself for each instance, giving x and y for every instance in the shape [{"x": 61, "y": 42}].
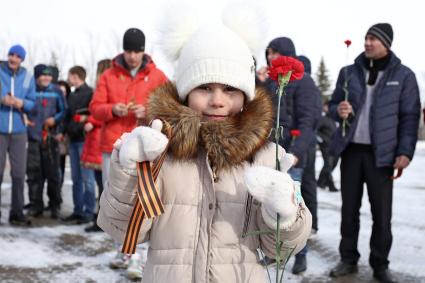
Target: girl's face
[{"x": 216, "y": 101}]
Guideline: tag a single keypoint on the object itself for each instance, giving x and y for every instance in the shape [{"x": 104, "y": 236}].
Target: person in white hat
[{"x": 218, "y": 152}]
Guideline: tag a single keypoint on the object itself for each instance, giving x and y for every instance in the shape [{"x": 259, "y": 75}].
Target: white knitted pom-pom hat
[{"x": 213, "y": 52}]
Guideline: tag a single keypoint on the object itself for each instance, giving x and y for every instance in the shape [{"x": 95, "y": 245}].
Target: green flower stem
[
  {"x": 283, "y": 82},
  {"x": 277, "y": 247}
]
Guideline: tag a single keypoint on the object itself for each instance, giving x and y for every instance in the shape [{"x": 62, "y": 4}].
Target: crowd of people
[{"x": 373, "y": 131}]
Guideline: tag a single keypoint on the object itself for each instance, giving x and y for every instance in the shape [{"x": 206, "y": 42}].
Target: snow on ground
[{"x": 51, "y": 252}]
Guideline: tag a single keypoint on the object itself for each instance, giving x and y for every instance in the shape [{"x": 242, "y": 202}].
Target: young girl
[{"x": 218, "y": 152}]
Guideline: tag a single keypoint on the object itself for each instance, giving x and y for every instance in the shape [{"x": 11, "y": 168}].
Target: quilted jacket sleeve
[{"x": 117, "y": 201}]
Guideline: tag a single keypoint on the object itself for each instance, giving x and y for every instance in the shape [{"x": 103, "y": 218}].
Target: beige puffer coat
[{"x": 198, "y": 237}]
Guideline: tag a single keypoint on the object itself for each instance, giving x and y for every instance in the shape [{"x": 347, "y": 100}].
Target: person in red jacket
[
  {"x": 118, "y": 101},
  {"x": 91, "y": 156},
  {"x": 122, "y": 92}
]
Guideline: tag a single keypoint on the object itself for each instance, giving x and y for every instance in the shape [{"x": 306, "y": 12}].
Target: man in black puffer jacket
[
  {"x": 383, "y": 111},
  {"x": 300, "y": 110}
]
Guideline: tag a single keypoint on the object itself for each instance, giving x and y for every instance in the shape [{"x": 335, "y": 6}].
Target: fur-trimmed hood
[{"x": 228, "y": 143}]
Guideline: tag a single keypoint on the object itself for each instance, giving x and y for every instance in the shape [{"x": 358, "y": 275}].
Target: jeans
[{"x": 83, "y": 183}]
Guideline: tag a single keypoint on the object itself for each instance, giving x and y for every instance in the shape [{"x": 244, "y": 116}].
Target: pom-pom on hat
[{"x": 214, "y": 52}]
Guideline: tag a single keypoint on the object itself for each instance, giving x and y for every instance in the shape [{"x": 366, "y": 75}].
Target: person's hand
[
  {"x": 30, "y": 123},
  {"x": 142, "y": 144},
  {"x": 17, "y": 103},
  {"x": 139, "y": 111},
  {"x": 79, "y": 118},
  {"x": 344, "y": 109},
  {"x": 60, "y": 137},
  {"x": 120, "y": 109},
  {"x": 276, "y": 191},
  {"x": 401, "y": 162},
  {"x": 262, "y": 74},
  {"x": 49, "y": 122},
  {"x": 88, "y": 127},
  {"x": 7, "y": 100}
]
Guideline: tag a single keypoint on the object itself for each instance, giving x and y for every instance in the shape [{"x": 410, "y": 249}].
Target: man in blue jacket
[
  {"x": 17, "y": 97},
  {"x": 43, "y": 149},
  {"x": 383, "y": 111},
  {"x": 300, "y": 110}
]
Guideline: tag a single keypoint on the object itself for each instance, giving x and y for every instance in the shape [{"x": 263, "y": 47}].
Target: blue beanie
[{"x": 18, "y": 50}]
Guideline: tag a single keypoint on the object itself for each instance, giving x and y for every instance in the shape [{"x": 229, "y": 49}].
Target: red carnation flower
[
  {"x": 347, "y": 42},
  {"x": 44, "y": 135},
  {"x": 44, "y": 102},
  {"x": 76, "y": 118},
  {"x": 284, "y": 64},
  {"x": 295, "y": 133}
]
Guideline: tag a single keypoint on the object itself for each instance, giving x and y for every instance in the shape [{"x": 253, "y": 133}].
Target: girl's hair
[
  {"x": 102, "y": 66},
  {"x": 66, "y": 86}
]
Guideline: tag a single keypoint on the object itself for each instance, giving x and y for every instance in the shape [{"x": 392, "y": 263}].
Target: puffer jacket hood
[
  {"x": 119, "y": 62},
  {"x": 240, "y": 136},
  {"x": 283, "y": 45},
  {"x": 306, "y": 62}
]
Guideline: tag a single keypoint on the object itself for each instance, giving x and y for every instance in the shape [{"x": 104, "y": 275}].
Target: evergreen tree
[{"x": 322, "y": 80}]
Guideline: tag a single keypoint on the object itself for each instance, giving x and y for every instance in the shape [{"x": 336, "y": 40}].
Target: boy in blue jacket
[{"x": 43, "y": 148}]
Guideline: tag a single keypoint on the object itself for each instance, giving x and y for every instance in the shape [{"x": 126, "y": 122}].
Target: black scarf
[{"x": 374, "y": 66}]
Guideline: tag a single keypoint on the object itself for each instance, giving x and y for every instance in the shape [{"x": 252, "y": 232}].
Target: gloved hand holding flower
[{"x": 277, "y": 192}]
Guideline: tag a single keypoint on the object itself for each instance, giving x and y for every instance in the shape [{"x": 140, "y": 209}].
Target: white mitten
[
  {"x": 277, "y": 192},
  {"x": 142, "y": 144}
]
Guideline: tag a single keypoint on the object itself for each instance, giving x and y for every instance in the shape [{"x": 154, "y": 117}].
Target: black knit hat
[
  {"x": 42, "y": 69},
  {"x": 384, "y": 32},
  {"x": 134, "y": 40}
]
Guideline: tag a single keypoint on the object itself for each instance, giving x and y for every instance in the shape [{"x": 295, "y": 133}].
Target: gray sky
[{"x": 85, "y": 31}]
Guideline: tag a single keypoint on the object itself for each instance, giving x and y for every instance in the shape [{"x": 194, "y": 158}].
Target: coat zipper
[{"x": 12, "y": 92}]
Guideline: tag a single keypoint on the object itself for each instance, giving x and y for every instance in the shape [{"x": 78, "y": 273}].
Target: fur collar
[{"x": 227, "y": 143}]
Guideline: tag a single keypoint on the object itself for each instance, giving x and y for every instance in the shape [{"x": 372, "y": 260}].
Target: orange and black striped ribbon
[{"x": 148, "y": 203}]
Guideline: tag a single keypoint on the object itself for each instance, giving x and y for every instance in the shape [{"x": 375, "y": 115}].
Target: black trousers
[
  {"x": 62, "y": 168},
  {"x": 358, "y": 167},
  {"x": 329, "y": 163},
  {"x": 98, "y": 178},
  {"x": 309, "y": 184},
  {"x": 42, "y": 165}
]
